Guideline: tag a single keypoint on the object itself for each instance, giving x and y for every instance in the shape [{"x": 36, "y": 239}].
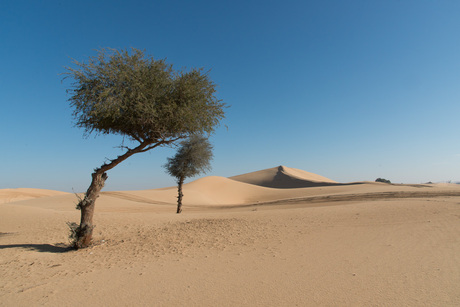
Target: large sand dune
[
  {"x": 283, "y": 177},
  {"x": 277, "y": 237}
]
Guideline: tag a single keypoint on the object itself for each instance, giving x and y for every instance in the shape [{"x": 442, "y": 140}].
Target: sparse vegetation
[
  {"x": 143, "y": 100},
  {"x": 382, "y": 180},
  {"x": 192, "y": 158},
  {"x": 73, "y": 232}
]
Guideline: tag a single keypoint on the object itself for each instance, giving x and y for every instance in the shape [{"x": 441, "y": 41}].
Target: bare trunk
[
  {"x": 85, "y": 231},
  {"x": 180, "y": 182}
]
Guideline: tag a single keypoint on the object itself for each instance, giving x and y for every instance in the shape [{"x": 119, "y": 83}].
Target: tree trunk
[
  {"x": 84, "y": 233},
  {"x": 180, "y": 182}
]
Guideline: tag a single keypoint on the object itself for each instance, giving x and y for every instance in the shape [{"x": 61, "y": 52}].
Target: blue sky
[{"x": 351, "y": 90}]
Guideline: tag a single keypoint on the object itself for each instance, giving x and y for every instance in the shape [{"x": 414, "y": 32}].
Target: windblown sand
[{"x": 277, "y": 237}]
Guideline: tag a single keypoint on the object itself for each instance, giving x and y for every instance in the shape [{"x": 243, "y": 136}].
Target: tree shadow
[{"x": 42, "y": 248}]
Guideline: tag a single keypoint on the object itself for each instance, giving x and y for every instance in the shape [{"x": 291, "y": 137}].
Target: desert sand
[{"x": 276, "y": 237}]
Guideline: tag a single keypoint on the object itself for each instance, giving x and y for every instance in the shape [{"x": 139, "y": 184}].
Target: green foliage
[
  {"x": 382, "y": 180},
  {"x": 134, "y": 95},
  {"x": 192, "y": 158}
]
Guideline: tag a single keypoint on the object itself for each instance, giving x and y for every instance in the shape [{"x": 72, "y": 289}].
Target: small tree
[
  {"x": 382, "y": 180},
  {"x": 192, "y": 158},
  {"x": 141, "y": 99}
]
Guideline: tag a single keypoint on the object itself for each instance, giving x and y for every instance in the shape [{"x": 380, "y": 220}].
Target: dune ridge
[
  {"x": 12, "y": 195},
  {"x": 282, "y": 177},
  {"x": 274, "y": 185}
]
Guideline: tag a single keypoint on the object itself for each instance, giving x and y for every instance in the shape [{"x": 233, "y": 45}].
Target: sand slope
[
  {"x": 283, "y": 177},
  {"x": 238, "y": 244},
  {"x": 11, "y": 195}
]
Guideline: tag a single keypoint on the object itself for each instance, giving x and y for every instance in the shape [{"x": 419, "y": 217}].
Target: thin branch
[
  {"x": 160, "y": 143},
  {"x": 153, "y": 146},
  {"x": 107, "y": 166},
  {"x": 123, "y": 147},
  {"x": 136, "y": 138}
]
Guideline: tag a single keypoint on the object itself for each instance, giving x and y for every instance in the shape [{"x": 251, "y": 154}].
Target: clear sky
[{"x": 351, "y": 90}]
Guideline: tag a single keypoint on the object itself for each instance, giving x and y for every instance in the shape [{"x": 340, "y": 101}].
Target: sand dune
[
  {"x": 249, "y": 240},
  {"x": 266, "y": 186},
  {"x": 11, "y": 195},
  {"x": 283, "y": 177}
]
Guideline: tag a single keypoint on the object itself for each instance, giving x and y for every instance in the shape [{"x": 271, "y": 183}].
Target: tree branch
[
  {"x": 136, "y": 138},
  {"x": 163, "y": 142},
  {"x": 107, "y": 166}
]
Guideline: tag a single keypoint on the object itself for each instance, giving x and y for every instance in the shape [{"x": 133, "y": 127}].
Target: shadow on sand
[{"x": 42, "y": 248}]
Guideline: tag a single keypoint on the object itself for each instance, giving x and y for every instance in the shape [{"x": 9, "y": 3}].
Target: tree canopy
[
  {"x": 146, "y": 100},
  {"x": 192, "y": 158}
]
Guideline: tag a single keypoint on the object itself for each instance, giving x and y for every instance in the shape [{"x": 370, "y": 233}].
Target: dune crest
[
  {"x": 283, "y": 177},
  {"x": 12, "y": 195}
]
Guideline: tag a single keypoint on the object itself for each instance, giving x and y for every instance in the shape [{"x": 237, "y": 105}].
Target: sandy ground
[{"x": 284, "y": 239}]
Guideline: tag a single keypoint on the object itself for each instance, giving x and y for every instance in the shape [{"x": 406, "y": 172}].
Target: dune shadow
[
  {"x": 42, "y": 248},
  {"x": 281, "y": 181},
  {"x": 280, "y": 178}
]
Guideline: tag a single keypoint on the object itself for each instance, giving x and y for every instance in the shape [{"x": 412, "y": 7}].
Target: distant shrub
[{"x": 382, "y": 180}]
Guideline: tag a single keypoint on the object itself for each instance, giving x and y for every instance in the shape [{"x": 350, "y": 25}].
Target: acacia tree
[
  {"x": 128, "y": 93},
  {"x": 192, "y": 158}
]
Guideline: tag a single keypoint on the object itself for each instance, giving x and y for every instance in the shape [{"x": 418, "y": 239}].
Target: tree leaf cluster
[
  {"x": 128, "y": 93},
  {"x": 192, "y": 158}
]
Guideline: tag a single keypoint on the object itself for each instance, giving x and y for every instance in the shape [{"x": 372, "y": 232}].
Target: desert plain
[{"x": 276, "y": 237}]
